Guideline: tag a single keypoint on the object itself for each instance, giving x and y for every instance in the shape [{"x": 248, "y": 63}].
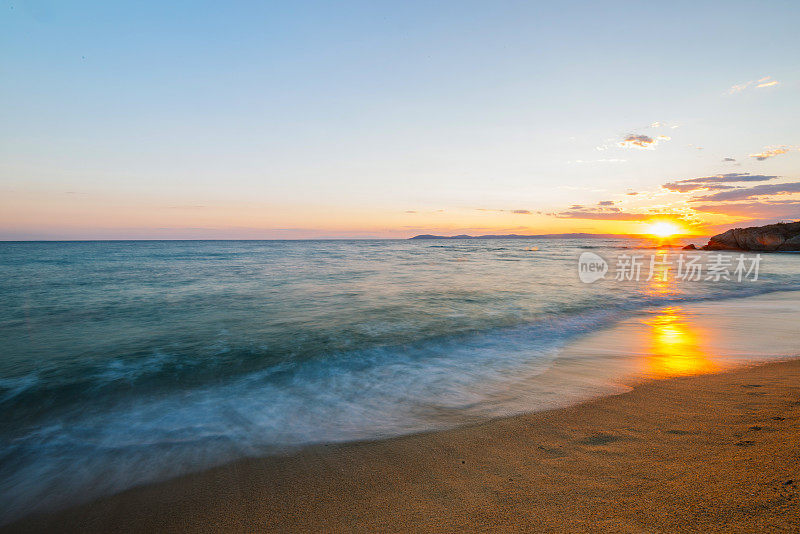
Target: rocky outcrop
[{"x": 773, "y": 237}]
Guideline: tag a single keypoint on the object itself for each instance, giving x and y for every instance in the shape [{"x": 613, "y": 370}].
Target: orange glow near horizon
[
  {"x": 664, "y": 229},
  {"x": 45, "y": 214}
]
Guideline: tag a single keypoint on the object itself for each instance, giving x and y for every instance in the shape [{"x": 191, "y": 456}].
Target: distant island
[{"x": 518, "y": 236}]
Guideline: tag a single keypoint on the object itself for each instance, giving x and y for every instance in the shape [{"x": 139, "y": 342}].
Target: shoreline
[{"x": 715, "y": 452}]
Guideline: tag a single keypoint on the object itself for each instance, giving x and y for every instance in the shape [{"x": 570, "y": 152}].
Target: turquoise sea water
[{"x": 129, "y": 362}]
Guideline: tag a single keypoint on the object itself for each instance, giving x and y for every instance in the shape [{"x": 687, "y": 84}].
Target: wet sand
[{"x": 714, "y": 452}]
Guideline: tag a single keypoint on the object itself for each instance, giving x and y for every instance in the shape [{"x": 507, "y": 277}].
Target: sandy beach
[{"x": 715, "y": 452}]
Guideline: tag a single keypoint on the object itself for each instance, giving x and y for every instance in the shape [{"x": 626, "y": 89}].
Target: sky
[{"x": 169, "y": 120}]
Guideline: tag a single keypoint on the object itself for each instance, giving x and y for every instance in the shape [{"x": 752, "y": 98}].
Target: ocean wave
[
  {"x": 133, "y": 364},
  {"x": 367, "y": 393},
  {"x": 94, "y": 378},
  {"x": 12, "y": 387}
]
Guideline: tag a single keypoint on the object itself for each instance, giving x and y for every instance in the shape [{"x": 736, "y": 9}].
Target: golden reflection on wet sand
[{"x": 676, "y": 345}]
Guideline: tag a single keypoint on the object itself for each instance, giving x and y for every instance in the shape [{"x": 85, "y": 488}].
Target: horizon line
[{"x": 500, "y": 236}]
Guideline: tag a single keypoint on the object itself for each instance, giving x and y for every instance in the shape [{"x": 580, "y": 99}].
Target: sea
[{"x": 129, "y": 362}]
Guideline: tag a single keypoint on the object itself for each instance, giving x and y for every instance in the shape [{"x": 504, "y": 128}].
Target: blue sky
[{"x": 300, "y": 119}]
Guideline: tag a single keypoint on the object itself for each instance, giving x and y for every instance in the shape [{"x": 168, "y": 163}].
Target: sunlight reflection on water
[{"x": 677, "y": 345}]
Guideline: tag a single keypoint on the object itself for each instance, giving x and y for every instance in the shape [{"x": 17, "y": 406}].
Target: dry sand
[{"x": 715, "y": 452}]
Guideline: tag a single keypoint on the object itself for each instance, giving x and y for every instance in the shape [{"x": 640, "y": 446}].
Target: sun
[{"x": 663, "y": 229}]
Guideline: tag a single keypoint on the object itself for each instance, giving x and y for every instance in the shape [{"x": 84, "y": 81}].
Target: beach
[
  {"x": 714, "y": 452},
  {"x": 516, "y": 404}
]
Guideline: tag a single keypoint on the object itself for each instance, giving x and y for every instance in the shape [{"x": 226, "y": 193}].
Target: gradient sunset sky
[{"x": 389, "y": 119}]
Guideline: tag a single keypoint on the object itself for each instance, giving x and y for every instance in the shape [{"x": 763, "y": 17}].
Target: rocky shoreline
[{"x": 781, "y": 237}]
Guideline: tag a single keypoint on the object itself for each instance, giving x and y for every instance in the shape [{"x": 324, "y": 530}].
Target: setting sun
[{"x": 664, "y": 229}]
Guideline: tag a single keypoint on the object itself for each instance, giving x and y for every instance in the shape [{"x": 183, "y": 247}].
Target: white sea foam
[{"x": 177, "y": 361}]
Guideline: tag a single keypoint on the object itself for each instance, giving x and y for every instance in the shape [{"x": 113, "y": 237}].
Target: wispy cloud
[
  {"x": 747, "y": 193},
  {"x": 613, "y": 215},
  {"x": 607, "y": 212},
  {"x": 603, "y": 215},
  {"x": 715, "y": 182},
  {"x": 771, "y": 152},
  {"x": 762, "y": 83},
  {"x": 636, "y": 139},
  {"x": 641, "y": 141},
  {"x": 661, "y": 124},
  {"x": 780, "y": 209},
  {"x": 516, "y": 211}
]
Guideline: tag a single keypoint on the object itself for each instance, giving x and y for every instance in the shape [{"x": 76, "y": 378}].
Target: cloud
[
  {"x": 731, "y": 177},
  {"x": 718, "y": 187},
  {"x": 713, "y": 182},
  {"x": 770, "y": 152},
  {"x": 641, "y": 141},
  {"x": 728, "y": 159},
  {"x": 606, "y": 203},
  {"x": 739, "y": 88},
  {"x": 762, "y": 83},
  {"x": 632, "y": 193},
  {"x": 782, "y": 209},
  {"x": 603, "y": 215},
  {"x": 518, "y": 211},
  {"x": 610, "y": 214},
  {"x": 752, "y": 192}
]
